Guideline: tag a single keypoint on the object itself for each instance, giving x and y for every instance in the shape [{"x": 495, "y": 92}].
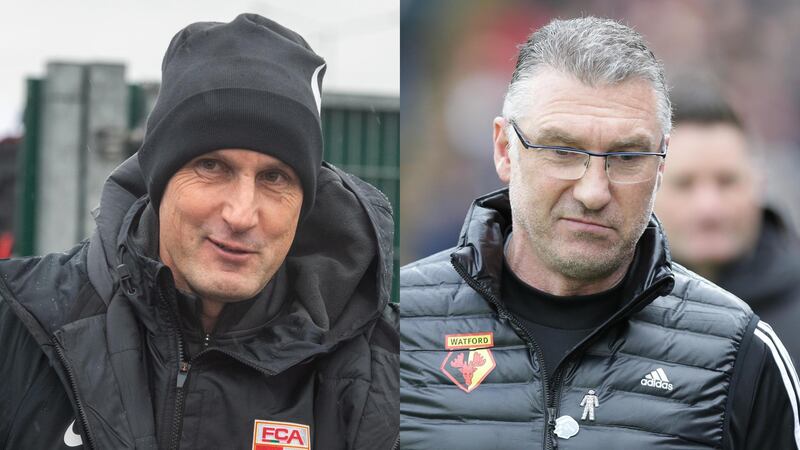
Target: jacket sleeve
[
  {"x": 765, "y": 394},
  {"x": 380, "y": 422}
]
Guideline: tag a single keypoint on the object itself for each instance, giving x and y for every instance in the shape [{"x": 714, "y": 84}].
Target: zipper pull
[
  {"x": 551, "y": 418},
  {"x": 551, "y": 426},
  {"x": 183, "y": 373}
]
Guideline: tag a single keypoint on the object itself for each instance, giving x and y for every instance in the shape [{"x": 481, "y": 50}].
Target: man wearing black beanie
[
  {"x": 249, "y": 84},
  {"x": 235, "y": 292}
]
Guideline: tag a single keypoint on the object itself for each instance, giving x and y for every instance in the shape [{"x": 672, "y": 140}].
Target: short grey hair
[{"x": 595, "y": 51}]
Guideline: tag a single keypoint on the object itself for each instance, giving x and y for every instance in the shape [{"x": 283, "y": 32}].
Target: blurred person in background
[
  {"x": 559, "y": 319},
  {"x": 235, "y": 291},
  {"x": 714, "y": 213}
]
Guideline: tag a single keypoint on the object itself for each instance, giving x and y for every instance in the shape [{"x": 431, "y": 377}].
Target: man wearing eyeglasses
[{"x": 559, "y": 319}]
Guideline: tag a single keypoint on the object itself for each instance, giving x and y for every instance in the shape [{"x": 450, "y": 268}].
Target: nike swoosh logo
[
  {"x": 315, "y": 88},
  {"x": 70, "y": 438}
]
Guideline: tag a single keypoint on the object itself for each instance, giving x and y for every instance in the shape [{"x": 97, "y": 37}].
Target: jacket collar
[
  {"x": 480, "y": 253},
  {"x": 338, "y": 271}
]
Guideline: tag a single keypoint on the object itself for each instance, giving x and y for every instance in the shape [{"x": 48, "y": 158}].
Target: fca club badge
[
  {"x": 470, "y": 360},
  {"x": 269, "y": 435}
]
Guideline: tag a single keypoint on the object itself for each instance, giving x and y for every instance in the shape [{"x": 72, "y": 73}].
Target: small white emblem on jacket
[{"x": 72, "y": 439}]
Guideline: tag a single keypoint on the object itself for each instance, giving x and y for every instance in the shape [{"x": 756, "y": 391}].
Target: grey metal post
[
  {"x": 106, "y": 131},
  {"x": 58, "y": 163}
]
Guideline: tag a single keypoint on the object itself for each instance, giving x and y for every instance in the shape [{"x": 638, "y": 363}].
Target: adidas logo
[{"x": 657, "y": 379}]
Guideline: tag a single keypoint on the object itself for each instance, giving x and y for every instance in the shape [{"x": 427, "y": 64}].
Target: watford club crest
[{"x": 470, "y": 360}]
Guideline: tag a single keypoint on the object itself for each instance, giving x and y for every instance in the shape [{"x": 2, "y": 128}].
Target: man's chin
[
  {"x": 588, "y": 249},
  {"x": 226, "y": 289},
  {"x": 588, "y": 262}
]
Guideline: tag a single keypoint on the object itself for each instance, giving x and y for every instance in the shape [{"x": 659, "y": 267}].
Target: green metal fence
[{"x": 25, "y": 217}]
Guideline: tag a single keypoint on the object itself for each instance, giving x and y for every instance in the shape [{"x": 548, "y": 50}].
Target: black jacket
[
  {"x": 768, "y": 279},
  {"x": 99, "y": 337},
  {"x": 682, "y": 363}
]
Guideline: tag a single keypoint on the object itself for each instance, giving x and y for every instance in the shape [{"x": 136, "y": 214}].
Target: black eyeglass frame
[{"x": 528, "y": 145}]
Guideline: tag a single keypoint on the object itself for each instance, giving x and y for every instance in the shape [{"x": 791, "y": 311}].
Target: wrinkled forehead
[{"x": 558, "y": 104}]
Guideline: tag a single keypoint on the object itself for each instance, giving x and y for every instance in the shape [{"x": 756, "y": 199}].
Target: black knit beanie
[{"x": 250, "y": 84}]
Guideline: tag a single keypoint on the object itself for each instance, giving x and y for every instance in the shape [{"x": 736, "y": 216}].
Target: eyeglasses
[{"x": 569, "y": 163}]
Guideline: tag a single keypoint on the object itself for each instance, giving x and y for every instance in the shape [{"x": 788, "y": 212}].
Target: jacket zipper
[
  {"x": 553, "y": 407},
  {"x": 71, "y": 377},
  {"x": 184, "y": 366},
  {"x": 183, "y": 374},
  {"x": 555, "y": 404},
  {"x": 531, "y": 343},
  {"x": 551, "y": 402},
  {"x": 125, "y": 282},
  {"x": 177, "y": 421},
  {"x": 547, "y": 399}
]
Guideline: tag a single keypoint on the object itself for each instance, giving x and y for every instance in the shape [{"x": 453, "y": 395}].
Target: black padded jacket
[
  {"x": 99, "y": 352},
  {"x": 681, "y": 365}
]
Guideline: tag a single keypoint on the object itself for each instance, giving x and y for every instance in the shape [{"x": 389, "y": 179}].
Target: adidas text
[
  {"x": 657, "y": 379},
  {"x": 657, "y": 384}
]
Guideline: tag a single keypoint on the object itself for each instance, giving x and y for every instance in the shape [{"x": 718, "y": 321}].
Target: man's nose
[
  {"x": 240, "y": 211},
  {"x": 592, "y": 190}
]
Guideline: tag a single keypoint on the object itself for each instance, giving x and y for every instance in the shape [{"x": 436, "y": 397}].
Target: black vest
[{"x": 656, "y": 375}]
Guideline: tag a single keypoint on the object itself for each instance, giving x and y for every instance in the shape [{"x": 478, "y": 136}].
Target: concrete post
[
  {"x": 107, "y": 128},
  {"x": 59, "y": 158}
]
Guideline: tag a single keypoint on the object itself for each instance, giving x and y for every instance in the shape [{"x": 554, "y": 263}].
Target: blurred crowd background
[{"x": 458, "y": 56}]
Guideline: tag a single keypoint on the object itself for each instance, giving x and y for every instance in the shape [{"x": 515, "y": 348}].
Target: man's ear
[{"x": 502, "y": 158}]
